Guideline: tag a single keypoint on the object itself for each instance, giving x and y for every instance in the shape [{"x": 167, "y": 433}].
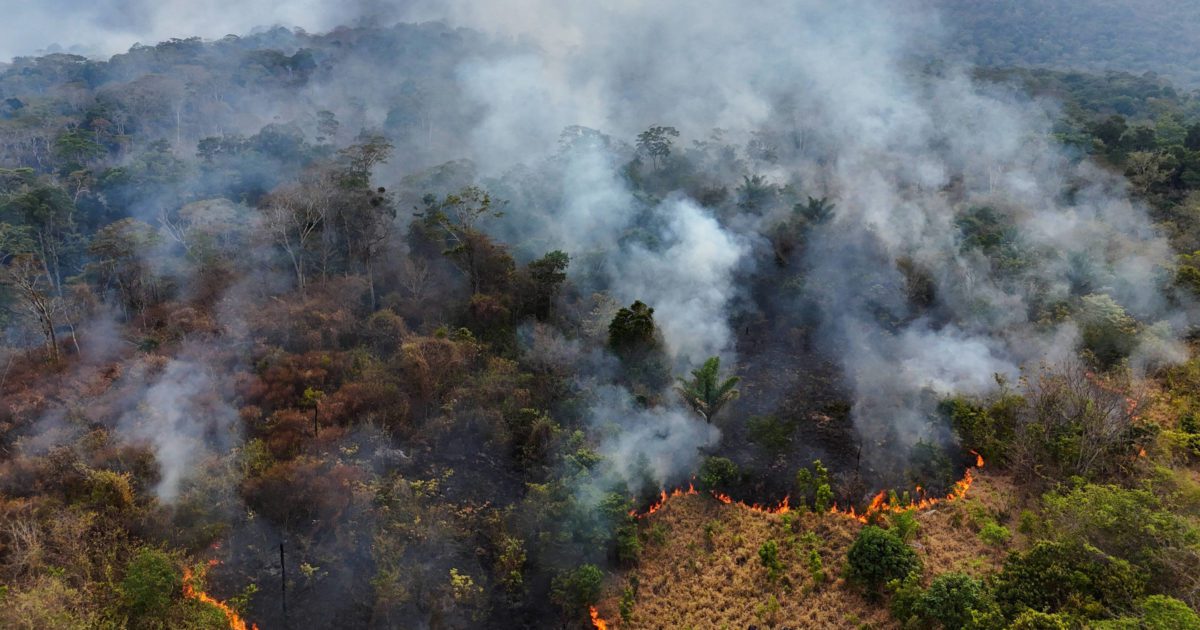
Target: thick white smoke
[
  {"x": 903, "y": 147},
  {"x": 183, "y": 410}
]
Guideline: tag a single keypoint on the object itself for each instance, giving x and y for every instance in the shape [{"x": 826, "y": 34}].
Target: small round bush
[
  {"x": 879, "y": 556},
  {"x": 578, "y": 589},
  {"x": 717, "y": 473},
  {"x": 950, "y": 599}
]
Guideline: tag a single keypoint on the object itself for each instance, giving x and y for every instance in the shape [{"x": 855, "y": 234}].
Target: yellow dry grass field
[{"x": 700, "y": 567}]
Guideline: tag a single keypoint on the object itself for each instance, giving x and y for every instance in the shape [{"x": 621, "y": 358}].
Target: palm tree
[{"x": 706, "y": 393}]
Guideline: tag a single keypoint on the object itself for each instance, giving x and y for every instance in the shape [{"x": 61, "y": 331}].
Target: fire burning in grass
[
  {"x": 879, "y": 503},
  {"x": 662, "y": 500},
  {"x": 191, "y": 592},
  {"x": 599, "y": 623}
]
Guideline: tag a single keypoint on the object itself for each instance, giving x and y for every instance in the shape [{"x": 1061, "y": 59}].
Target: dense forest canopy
[
  {"x": 1146, "y": 36},
  {"x": 559, "y": 315}
]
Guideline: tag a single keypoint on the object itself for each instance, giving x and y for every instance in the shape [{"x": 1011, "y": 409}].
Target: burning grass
[
  {"x": 190, "y": 591},
  {"x": 706, "y": 573}
]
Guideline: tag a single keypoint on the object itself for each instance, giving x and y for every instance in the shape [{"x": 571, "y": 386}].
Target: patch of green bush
[
  {"x": 152, "y": 582},
  {"x": 717, "y": 473},
  {"x": 952, "y": 601},
  {"x": 879, "y": 556},
  {"x": 1069, "y": 577}
]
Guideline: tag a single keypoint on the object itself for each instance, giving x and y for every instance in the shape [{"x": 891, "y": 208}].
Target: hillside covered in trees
[
  {"x": 1146, "y": 36},
  {"x": 779, "y": 316}
]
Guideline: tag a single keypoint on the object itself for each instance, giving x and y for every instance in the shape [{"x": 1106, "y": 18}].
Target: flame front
[
  {"x": 191, "y": 592},
  {"x": 662, "y": 500},
  {"x": 599, "y": 623},
  {"x": 879, "y": 503}
]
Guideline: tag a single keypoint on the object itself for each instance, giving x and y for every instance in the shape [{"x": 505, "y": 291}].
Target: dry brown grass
[{"x": 705, "y": 572}]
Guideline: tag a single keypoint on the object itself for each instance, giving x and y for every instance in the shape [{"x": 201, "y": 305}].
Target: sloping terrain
[{"x": 700, "y": 566}]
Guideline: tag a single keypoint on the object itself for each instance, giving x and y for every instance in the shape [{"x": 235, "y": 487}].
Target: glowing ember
[
  {"x": 191, "y": 592},
  {"x": 599, "y": 623}
]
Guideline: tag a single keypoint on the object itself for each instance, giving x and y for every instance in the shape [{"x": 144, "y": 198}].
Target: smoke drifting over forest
[
  {"x": 320, "y": 325},
  {"x": 852, "y": 114},
  {"x": 856, "y": 117}
]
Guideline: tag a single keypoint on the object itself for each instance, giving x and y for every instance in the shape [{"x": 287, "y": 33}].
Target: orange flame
[
  {"x": 599, "y": 623},
  {"x": 662, "y": 500},
  {"x": 191, "y": 592},
  {"x": 880, "y": 503}
]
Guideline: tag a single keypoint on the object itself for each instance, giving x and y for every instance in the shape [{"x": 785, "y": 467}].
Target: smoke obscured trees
[
  {"x": 293, "y": 216},
  {"x": 452, "y": 223},
  {"x": 546, "y": 275},
  {"x": 655, "y": 142},
  {"x": 121, "y": 252},
  {"x": 26, "y": 276},
  {"x": 636, "y": 340}
]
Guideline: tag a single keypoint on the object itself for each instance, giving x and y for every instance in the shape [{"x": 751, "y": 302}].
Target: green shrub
[
  {"x": 994, "y": 534},
  {"x": 576, "y": 590},
  {"x": 108, "y": 489},
  {"x": 824, "y": 498},
  {"x": 905, "y": 595},
  {"x": 151, "y": 584},
  {"x": 629, "y": 546},
  {"x": 813, "y": 485},
  {"x": 768, "y": 555},
  {"x": 1034, "y": 620},
  {"x": 905, "y": 524},
  {"x": 1130, "y": 524},
  {"x": 626, "y": 606},
  {"x": 47, "y": 603},
  {"x": 1160, "y": 612},
  {"x": 808, "y": 547},
  {"x": 1156, "y": 612},
  {"x": 816, "y": 568},
  {"x": 1124, "y": 623},
  {"x": 930, "y": 467},
  {"x": 879, "y": 556},
  {"x": 659, "y": 533},
  {"x": 1067, "y": 576},
  {"x": 951, "y": 599},
  {"x": 711, "y": 530},
  {"x": 768, "y": 610},
  {"x": 990, "y": 429},
  {"x": 717, "y": 473},
  {"x": 1027, "y": 522}
]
